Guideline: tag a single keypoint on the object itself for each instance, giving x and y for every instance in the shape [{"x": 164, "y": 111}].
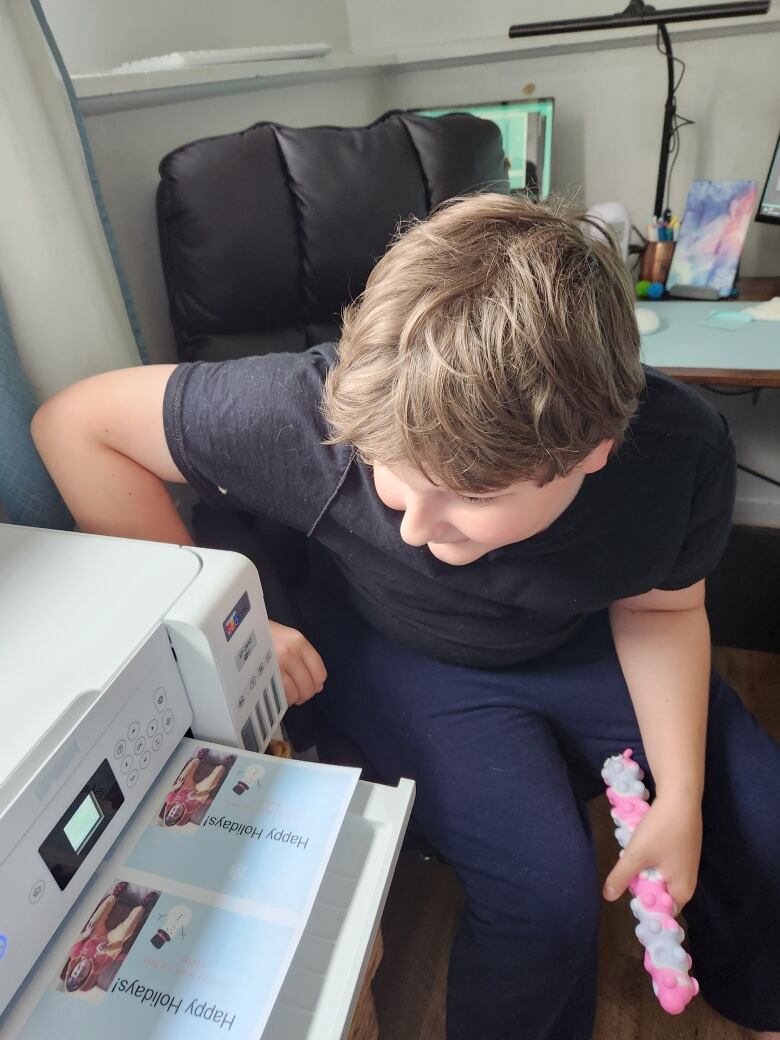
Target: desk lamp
[{"x": 639, "y": 13}]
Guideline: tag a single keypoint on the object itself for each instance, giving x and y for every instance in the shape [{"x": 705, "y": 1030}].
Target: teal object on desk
[
  {"x": 726, "y": 320},
  {"x": 690, "y": 337}
]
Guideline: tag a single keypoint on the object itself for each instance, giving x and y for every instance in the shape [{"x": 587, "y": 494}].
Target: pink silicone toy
[{"x": 666, "y": 961}]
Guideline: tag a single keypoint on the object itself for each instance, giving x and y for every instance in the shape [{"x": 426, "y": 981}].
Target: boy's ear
[{"x": 598, "y": 458}]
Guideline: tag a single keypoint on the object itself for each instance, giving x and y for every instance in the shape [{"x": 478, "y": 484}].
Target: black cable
[
  {"x": 675, "y": 59},
  {"x": 755, "y": 391},
  {"x": 635, "y": 252},
  {"x": 675, "y": 153},
  {"x": 761, "y": 476},
  {"x": 680, "y": 122}
]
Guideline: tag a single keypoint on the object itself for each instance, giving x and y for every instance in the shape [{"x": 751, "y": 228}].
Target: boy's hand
[
  {"x": 669, "y": 839},
  {"x": 303, "y": 672}
]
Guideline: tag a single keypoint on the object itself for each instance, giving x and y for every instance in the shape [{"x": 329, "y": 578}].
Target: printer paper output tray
[
  {"x": 318, "y": 997},
  {"x": 194, "y": 944}
]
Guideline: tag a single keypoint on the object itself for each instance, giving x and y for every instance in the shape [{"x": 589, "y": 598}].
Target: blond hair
[{"x": 495, "y": 341}]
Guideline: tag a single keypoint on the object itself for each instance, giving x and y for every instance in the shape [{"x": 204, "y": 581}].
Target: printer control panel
[{"x": 139, "y": 747}]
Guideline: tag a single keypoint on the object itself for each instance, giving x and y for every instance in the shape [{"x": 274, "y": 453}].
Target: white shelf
[
  {"x": 101, "y": 91},
  {"x": 112, "y": 91}
]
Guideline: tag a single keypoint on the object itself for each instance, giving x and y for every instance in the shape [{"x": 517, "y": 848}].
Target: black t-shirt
[{"x": 248, "y": 434}]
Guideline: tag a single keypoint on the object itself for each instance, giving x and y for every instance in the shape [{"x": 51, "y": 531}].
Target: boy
[{"x": 543, "y": 597}]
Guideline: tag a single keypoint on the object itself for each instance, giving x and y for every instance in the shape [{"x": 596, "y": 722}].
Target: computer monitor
[
  {"x": 526, "y": 133},
  {"x": 769, "y": 206}
]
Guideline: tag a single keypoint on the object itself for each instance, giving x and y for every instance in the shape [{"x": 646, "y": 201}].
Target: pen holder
[{"x": 656, "y": 260}]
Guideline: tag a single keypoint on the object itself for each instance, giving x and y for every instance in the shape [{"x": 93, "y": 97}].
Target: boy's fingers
[
  {"x": 301, "y": 667},
  {"x": 292, "y": 696},
  {"x": 315, "y": 665},
  {"x": 302, "y": 679},
  {"x": 617, "y": 881}
]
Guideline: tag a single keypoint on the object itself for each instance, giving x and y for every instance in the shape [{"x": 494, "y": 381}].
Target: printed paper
[{"x": 188, "y": 930}]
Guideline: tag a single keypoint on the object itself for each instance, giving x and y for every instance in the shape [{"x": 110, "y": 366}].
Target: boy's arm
[
  {"x": 102, "y": 441},
  {"x": 663, "y": 645}
]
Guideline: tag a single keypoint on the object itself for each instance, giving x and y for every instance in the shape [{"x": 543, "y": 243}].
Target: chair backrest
[{"x": 266, "y": 234}]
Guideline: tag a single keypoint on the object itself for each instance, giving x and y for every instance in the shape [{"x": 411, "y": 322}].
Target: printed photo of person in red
[
  {"x": 105, "y": 940},
  {"x": 195, "y": 788}
]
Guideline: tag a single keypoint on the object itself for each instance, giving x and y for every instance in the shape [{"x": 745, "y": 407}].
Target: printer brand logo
[{"x": 63, "y": 762}]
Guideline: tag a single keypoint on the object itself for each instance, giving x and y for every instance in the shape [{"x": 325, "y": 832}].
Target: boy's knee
[{"x": 559, "y": 909}]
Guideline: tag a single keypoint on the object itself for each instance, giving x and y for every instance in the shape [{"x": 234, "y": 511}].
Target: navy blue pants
[{"x": 504, "y": 761}]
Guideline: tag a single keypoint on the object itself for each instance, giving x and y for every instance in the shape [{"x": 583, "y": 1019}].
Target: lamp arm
[{"x": 638, "y": 14}]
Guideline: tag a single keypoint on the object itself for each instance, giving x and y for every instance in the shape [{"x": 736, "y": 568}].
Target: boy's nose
[{"x": 421, "y": 524}]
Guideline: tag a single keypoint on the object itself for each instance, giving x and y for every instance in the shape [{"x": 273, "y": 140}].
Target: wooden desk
[{"x": 722, "y": 373}]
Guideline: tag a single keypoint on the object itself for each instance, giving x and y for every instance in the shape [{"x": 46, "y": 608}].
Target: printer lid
[{"x": 73, "y": 608}]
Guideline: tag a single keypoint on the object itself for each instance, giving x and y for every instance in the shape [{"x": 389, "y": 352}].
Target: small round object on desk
[
  {"x": 647, "y": 323},
  {"x": 641, "y": 288},
  {"x": 655, "y": 290}
]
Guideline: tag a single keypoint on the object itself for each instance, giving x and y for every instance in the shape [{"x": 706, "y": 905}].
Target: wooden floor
[{"x": 424, "y": 902}]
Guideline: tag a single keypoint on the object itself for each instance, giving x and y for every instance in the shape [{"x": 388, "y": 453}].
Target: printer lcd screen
[{"x": 82, "y": 823}]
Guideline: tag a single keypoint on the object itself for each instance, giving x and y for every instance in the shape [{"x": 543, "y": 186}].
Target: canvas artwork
[{"x": 714, "y": 226}]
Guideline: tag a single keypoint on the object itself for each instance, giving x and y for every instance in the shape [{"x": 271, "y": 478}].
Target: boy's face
[{"x": 458, "y": 529}]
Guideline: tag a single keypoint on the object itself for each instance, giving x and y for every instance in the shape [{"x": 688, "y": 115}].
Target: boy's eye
[{"x": 475, "y": 501}]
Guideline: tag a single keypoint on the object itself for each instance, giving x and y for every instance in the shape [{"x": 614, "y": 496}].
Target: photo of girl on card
[
  {"x": 194, "y": 789},
  {"x": 104, "y": 941}
]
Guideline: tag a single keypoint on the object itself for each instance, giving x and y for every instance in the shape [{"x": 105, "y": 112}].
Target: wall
[
  {"x": 608, "y": 122},
  {"x": 376, "y": 25},
  {"x": 608, "y": 102},
  {"x": 609, "y": 112}
]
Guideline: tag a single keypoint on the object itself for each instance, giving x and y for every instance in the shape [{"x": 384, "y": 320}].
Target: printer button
[
  {"x": 140, "y": 746},
  {"x": 151, "y": 729},
  {"x": 124, "y": 765},
  {"x": 168, "y": 720},
  {"x": 144, "y": 760},
  {"x": 120, "y": 749},
  {"x": 133, "y": 730},
  {"x": 160, "y": 699},
  {"x": 37, "y": 890},
  {"x": 132, "y": 778},
  {"x": 157, "y": 742}
]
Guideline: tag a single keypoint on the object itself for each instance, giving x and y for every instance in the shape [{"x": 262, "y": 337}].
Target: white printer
[{"x": 110, "y": 651}]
